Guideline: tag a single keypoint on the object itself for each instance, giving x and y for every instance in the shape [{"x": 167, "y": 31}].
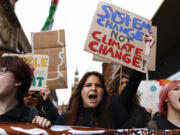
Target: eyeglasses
[{"x": 3, "y": 70}]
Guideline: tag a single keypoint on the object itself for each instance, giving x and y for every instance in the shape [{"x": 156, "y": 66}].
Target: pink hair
[{"x": 163, "y": 94}]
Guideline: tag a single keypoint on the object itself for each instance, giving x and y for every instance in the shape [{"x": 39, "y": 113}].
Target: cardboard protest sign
[
  {"x": 118, "y": 35},
  {"x": 40, "y": 66},
  {"x": 149, "y": 93},
  {"x": 52, "y": 43},
  {"x": 151, "y": 57},
  {"x": 101, "y": 59}
]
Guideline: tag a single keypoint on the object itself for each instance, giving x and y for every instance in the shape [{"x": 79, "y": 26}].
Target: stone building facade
[{"x": 12, "y": 37}]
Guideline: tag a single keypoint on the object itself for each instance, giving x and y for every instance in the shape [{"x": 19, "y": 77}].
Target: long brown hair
[{"x": 99, "y": 116}]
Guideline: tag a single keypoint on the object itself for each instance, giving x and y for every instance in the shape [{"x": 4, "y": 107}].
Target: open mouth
[
  {"x": 92, "y": 96},
  {"x": 30, "y": 103},
  {"x": 179, "y": 99}
]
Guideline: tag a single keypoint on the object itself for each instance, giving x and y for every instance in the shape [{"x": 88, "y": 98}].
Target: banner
[
  {"x": 40, "y": 65},
  {"x": 31, "y": 129},
  {"x": 52, "y": 43},
  {"x": 118, "y": 35}
]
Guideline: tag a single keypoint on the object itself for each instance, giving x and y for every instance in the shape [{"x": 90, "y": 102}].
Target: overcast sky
[{"x": 74, "y": 16}]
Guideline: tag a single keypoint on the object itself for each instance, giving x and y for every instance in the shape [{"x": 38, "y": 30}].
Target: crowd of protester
[{"x": 91, "y": 105}]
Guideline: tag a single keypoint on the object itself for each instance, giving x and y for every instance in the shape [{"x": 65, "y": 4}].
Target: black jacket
[
  {"x": 137, "y": 117},
  {"x": 85, "y": 112},
  {"x": 122, "y": 107},
  {"x": 160, "y": 122},
  {"x": 50, "y": 111},
  {"x": 20, "y": 113}
]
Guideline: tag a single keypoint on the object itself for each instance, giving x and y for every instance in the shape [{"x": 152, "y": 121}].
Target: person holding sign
[
  {"x": 41, "y": 100},
  {"x": 89, "y": 104},
  {"x": 137, "y": 115},
  {"x": 51, "y": 112},
  {"x": 128, "y": 118},
  {"x": 15, "y": 80},
  {"x": 169, "y": 108}
]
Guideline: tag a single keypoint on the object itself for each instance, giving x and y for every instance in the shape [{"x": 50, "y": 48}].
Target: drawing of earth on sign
[{"x": 149, "y": 94}]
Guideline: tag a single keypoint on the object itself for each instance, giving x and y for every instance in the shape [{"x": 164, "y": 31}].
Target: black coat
[
  {"x": 160, "y": 122},
  {"x": 20, "y": 113},
  {"x": 50, "y": 111},
  {"x": 124, "y": 112}
]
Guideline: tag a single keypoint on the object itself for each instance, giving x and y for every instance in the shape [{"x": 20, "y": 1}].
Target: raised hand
[{"x": 45, "y": 93}]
